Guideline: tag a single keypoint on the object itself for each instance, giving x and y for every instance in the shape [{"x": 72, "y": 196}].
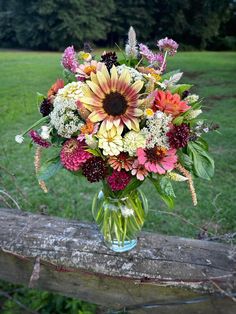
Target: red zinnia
[{"x": 118, "y": 180}]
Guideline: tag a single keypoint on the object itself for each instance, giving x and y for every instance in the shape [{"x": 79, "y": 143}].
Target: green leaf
[
  {"x": 39, "y": 98},
  {"x": 95, "y": 152},
  {"x": 178, "y": 120},
  {"x": 180, "y": 88},
  {"x": 168, "y": 75},
  {"x": 203, "y": 143},
  {"x": 168, "y": 199},
  {"x": 134, "y": 184},
  {"x": 203, "y": 164},
  {"x": 49, "y": 168},
  {"x": 166, "y": 186},
  {"x": 185, "y": 160}
]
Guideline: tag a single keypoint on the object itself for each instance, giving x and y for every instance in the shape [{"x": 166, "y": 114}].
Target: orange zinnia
[
  {"x": 169, "y": 103},
  {"x": 55, "y": 87}
]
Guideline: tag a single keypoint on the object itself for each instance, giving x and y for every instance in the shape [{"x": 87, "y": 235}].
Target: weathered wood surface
[{"x": 75, "y": 262}]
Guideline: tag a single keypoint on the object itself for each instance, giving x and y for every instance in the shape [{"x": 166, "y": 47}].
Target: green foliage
[
  {"x": 21, "y": 300},
  {"x": 203, "y": 164},
  {"x": 55, "y": 24},
  {"x": 49, "y": 24},
  {"x": 213, "y": 76},
  {"x": 49, "y": 168},
  {"x": 164, "y": 188},
  {"x": 180, "y": 88}
]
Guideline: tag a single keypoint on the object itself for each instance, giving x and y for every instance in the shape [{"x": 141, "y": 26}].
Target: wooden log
[{"x": 157, "y": 276}]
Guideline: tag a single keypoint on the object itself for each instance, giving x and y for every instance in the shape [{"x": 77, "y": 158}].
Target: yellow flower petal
[
  {"x": 137, "y": 86},
  {"x": 103, "y": 82},
  {"x": 96, "y": 89}
]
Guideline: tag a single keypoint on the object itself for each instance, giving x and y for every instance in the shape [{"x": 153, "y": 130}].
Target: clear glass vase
[{"x": 120, "y": 219}]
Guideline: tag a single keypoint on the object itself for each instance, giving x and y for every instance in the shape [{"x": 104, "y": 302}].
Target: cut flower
[
  {"x": 110, "y": 141},
  {"x": 73, "y": 154},
  {"x": 169, "y": 103},
  {"x": 157, "y": 159},
  {"x": 113, "y": 100}
]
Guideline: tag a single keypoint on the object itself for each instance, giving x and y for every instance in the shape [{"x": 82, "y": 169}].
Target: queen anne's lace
[
  {"x": 64, "y": 117},
  {"x": 156, "y": 128},
  {"x": 135, "y": 75}
]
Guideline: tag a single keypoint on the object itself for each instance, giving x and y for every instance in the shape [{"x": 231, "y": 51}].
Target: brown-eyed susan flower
[{"x": 112, "y": 99}]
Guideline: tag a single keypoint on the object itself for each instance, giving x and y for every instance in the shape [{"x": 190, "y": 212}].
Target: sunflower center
[{"x": 115, "y": 104}]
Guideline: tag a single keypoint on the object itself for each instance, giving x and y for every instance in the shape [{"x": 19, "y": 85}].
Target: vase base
[{"x": 124, "y": 247}]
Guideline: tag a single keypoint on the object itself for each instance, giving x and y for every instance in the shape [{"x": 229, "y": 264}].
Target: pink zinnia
[
  {"x": 73, "y": 155},
  {"x": 118, "y": 180},
  {"x": 139, "y": 170},
  {"x": 37, "y": 139},
  {"x": 69, "y": 60},
  {"x": 157, "y": 159},
  {"x": 168, "y": 45}
]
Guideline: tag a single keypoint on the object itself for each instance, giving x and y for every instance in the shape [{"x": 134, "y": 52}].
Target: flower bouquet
[{"x": 122, "y": 120}]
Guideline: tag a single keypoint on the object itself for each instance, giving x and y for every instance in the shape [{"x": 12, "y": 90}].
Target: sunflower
[{"x": 112, "y": 99}]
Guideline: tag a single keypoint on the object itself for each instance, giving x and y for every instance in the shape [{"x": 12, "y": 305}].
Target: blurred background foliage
[{"x": 54, "y": 24}]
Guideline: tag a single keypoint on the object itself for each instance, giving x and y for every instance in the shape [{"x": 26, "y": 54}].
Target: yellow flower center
[
  {"x": 149, "y": 112},
  {"x": 90, "y": 68}
]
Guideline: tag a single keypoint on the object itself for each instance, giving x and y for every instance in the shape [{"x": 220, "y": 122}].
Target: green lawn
[{"x": 213, "y": 76}]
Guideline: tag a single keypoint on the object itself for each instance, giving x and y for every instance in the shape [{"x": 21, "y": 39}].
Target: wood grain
[{"x": 74, "y": 262}]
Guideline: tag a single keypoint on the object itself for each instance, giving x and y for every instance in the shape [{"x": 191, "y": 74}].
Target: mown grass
[{"x": 213, "y": 76}]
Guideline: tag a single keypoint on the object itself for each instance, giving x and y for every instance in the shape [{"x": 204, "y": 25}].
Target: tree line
[{"x": 54, "y": 24}]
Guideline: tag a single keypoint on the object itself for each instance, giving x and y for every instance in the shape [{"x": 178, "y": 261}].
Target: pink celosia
[
  {"x": 73, "y": 154},
  {"x": 69, "y": 60},
  {"x": 139, "y": 170},
  {"x": 37, "y": 139},
  {"x": 118, "y": 180},
  {"x": 168, "y": 45},
  {"x": 156, "y": 59},
  {"x": 157, "y": 159}
]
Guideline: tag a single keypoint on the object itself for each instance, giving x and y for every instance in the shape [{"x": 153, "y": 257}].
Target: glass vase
[{"x": 120, "y": 218}]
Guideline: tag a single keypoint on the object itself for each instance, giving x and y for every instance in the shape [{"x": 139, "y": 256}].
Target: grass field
[{"x": 213, "y": 75}]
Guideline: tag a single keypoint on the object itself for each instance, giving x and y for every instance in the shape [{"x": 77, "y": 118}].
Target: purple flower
[
  {"x": 37, "y": 139},
  {"x": 69, "y": 60},
  {"x": 168, "y": 45},
  {"x": 156, "y": 59}
]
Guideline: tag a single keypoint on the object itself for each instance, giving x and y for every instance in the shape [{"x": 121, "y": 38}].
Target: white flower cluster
[
  {"x": 64, "y": 116},
  {"x": 156, "y": 128},
  {"x": 135, "y": 75},
  {"x": 191, "y": 98}
]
